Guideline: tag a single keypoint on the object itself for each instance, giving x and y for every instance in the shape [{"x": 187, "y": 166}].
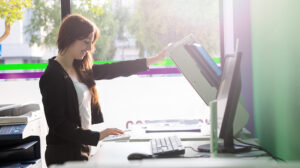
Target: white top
[{"x": 84, "y": 101}]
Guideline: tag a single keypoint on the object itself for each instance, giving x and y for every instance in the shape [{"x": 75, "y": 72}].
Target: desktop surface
[
  {"x": 113, "y": 154},
  {"x": 117, "y": 152}
]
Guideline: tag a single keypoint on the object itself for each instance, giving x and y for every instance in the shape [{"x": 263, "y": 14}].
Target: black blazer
[{"x": 66, "y": 140}]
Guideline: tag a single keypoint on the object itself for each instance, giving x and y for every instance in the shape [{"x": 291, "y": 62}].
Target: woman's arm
[
  {"x": 123, "y": 68},
  {"x": 126, "y": 68},
  {"x": 53, "y": 97}
]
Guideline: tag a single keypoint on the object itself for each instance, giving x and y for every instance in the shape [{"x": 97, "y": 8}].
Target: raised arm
[
  {"x": 126, "y": 68},
  {"x": 123, "y": 68}
]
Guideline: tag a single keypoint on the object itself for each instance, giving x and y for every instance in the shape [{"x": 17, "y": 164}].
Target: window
[
  {"x": 130, "y": 29},
  {"x": 141, "y": 29}
]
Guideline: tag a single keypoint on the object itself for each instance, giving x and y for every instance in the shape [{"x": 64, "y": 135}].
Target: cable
[
  {"x": 191, "y": 148},
  {"x": 260, "y": 148},
  {"x": 203, "y": 155},
  {"x": 254, "y": 146},
  {"x": 199, "y": 156},
  {"x": 256, "y": 156},
  {"x": 254, "y": 149}
]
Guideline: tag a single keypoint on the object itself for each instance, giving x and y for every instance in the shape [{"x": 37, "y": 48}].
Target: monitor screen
[
  {"x": 196, "y": 73},
  {"x": 208, "y": 67}
]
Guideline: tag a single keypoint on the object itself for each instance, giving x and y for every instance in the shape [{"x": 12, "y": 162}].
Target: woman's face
[{"x": 80, "y": 47}]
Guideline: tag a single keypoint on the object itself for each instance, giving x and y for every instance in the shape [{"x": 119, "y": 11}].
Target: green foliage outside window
[
  {"x": 153, "y": 23},
  {"x": 46, "y": 18},
  {"x": 156, "y": 23},
  {"x": 12, "y": 11}
]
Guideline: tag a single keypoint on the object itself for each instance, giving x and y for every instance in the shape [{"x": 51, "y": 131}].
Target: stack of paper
[
  {"x": 19, "y": 113},
  {"x": 22, "y": 119}
]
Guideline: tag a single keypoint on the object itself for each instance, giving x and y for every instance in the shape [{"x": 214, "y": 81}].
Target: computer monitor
[
  {"x": 227, "y": 101},
  {"x": 198, "y": 75},
  {"x": 208, "y": 67}
]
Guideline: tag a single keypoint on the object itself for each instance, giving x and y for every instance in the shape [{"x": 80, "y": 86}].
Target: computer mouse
[{"x": 136, "y": 156}]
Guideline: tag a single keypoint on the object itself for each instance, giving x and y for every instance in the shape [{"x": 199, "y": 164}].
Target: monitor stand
[
  {"x": 223, "y": 149},
  {"x": 227, "y": 146}
]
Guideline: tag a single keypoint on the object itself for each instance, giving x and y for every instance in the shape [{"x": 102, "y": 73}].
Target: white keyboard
[{"x": 120, "y": 137}]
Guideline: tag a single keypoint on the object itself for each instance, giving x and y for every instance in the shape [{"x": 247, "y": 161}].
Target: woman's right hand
[{"x": 110, "y": 131}]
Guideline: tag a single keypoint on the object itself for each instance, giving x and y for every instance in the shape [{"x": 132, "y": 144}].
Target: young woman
[{"x": 69, "y": 91}]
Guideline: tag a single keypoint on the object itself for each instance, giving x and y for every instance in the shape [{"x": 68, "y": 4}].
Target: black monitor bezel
[{"x": 233, "y": 94}]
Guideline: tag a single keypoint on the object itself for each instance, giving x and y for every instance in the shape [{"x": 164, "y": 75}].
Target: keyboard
[{"x": 167, "y": 146}]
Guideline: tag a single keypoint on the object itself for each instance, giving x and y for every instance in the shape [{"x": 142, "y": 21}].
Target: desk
[
  {"x": 114, "y": 155},
  {"x": 110, "y": 152}
]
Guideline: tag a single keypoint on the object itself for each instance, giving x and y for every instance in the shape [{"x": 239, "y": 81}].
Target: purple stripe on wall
[
  {"x": 20, "y": 75},
  {"x": 157, "y": 71},
  {"x": 26, "y": 75}
]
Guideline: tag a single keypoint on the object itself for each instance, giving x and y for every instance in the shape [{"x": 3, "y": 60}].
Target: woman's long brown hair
[{"x": 76, "y": 27}]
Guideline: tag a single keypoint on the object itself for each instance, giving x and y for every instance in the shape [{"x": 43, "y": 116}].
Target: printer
[{"x": 20, "y": 135}]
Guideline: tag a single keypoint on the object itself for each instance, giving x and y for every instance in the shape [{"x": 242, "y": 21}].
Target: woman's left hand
[{"x": 159, "y": 57}]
